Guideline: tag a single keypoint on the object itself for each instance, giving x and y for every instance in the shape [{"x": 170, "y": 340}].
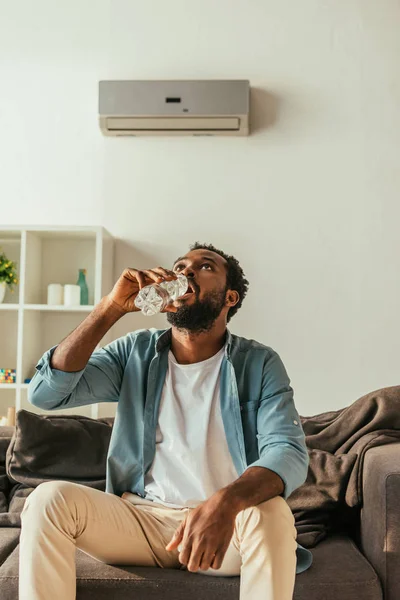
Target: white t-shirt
[{"x": 192, "y": 459}]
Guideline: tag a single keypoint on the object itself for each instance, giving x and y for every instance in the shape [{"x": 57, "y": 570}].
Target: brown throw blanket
[{"x": 331, "y": 497}]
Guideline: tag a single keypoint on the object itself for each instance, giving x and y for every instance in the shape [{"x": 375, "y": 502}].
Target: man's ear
[{"x": 232, "y": 298}]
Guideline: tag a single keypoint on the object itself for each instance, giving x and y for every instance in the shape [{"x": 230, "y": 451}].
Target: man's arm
[
  {"x": 71, "y": 374},
  {"x": 283, "y": 462},
  {"x": 255, "y": 486},
  {"x": 281, "y": 439},
  {"x": 205, "y": 535},
  {"x": 73, "y": 353}
]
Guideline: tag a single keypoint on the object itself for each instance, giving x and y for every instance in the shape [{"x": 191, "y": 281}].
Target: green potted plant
[{"x": 8, "y": 275}]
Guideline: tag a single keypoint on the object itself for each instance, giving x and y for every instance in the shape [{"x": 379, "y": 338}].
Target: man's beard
[{"x": 199, "y": 316}]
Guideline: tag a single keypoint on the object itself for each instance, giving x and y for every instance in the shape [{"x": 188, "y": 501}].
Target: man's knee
[
  {"x": 272, "y": 513},
  {"x": 50, "y": 494}
]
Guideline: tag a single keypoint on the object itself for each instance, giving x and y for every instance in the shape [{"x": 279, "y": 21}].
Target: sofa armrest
[{"x": 380, "y": 515}]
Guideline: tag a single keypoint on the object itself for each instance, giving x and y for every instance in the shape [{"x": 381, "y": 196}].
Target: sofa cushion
[
  {"x": 6, "y": 434},
  {"x": 9, "y": 539},
  {"x": 17, "y": 499},
  {"x": 339, "y": 570},
  {"x": 47, "y": 447}
]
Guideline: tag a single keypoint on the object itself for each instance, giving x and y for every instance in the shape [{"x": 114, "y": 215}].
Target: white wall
[{"x": 309, "y": 203}]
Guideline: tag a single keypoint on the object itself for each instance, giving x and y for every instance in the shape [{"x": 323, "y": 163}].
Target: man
[{"x": 206, "y": 446}]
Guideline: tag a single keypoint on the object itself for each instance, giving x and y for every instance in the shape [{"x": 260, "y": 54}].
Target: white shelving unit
[{"x": 28, "y": 325}]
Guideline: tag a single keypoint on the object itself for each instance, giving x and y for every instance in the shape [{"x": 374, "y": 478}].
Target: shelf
[
  {"x": 66, "y": 231},
  {"x": 9, "y": 342},
  {"x": 14, "y": 386},
  {"x": 56, "y": 232},
  {"x": 59, "y": 308},
  {"x": 28, "y": 325},
  {"x": 7, "y": 399},
  {"x": 56, "y": 257},
  {"x": 10, "y": 237},
  {"x": 49, "y": 307},
  {"x": 43, "y": 329}
]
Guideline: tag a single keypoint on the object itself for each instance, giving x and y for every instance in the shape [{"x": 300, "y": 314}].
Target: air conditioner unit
[{"x": 174, "y": 107}]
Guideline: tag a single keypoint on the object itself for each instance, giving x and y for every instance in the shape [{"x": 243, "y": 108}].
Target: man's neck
[{"x": 189, "y": 348}]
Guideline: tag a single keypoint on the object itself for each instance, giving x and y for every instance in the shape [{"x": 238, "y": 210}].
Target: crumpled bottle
[{"x": 153, "y": 298}]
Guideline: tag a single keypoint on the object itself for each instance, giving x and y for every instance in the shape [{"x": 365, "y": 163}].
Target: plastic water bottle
[{"x": 155, "y": 297}]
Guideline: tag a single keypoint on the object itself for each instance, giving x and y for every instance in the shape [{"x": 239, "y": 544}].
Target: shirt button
[{"x": 295, "y": 422}]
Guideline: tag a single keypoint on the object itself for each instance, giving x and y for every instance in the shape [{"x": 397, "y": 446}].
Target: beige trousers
[{"x": 60, "y": 516}]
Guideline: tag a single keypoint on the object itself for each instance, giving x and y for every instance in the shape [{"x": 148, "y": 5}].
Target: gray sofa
[{"x": 361, "y": 563}]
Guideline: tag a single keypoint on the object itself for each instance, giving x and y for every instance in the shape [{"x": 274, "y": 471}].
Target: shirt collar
[{"x": 164, "y": 341}]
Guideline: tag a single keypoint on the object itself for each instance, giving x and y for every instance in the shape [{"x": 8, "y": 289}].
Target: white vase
[{"x": 3, "y": 287}]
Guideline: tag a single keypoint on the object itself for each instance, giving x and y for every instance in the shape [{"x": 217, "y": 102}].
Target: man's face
[{"x": 206, "y": 273}]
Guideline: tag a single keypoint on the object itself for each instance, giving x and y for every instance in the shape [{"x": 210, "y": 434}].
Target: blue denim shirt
[{"x": 261, "y": 423}]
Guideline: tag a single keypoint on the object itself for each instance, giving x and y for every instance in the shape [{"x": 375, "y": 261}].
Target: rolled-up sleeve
[
  {"x": 99, "y": 381},
  {"x": 281, "y": 439}
]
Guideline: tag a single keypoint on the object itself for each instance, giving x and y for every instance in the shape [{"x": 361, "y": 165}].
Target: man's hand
[
  {"x": 131, "y": 281},
  {"x": 207, "y": 531},
  {"x": 205, "y": 534}
]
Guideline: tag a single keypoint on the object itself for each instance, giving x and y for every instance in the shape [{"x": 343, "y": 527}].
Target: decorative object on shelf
[
  {"x": 8, "y": 275},
  {"x": 3, "y": 421},
  {"x": 55, "y": 294},
  {"x": 11, "y": 416},
  {"x": 8, "y": 376},
  {"x": 84, "y": 288},
  {"x": 27, "y": 380},
  {"x": 72, "y": 295}
]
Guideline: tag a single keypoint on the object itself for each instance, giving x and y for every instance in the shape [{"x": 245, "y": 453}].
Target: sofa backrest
[
  {"x": 59, "y": 447},
  {"x": 6, "y": 434}
]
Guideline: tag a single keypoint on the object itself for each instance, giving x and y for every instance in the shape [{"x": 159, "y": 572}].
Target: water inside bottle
[
  {"x": 176, "y": 288},
  {"x": 151, "y": 302}
]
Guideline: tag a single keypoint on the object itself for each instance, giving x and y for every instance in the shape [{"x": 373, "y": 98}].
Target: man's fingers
[
  {"x": 165, "y": 273},
  {"x": 159, "y": 275},
  {"x": 184, "y": 554},
  {"x": 206, "y": 561},
  {"x": 154, "y": 276},
  {"x": 217, "y": 561},
  {"x": 176, "y": 538},
  {"x": 141, "y": 277},
  {"x": 185, "y": 550},
  {"x": 218, "y": 558},
  {"x": 137, "y": 275},
  {"x": 170, "y": 308},
  {"x": 173, "y": 544},
  {"x": 195, "y": 559}
]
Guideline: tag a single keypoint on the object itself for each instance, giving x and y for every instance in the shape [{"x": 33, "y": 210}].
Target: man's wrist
[
  {"x": 229, "y": 501},
  {"x": 112, "y": 308}
]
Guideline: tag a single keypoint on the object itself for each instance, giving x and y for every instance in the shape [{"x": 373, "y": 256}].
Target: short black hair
[{"x": 235, "y": 278}]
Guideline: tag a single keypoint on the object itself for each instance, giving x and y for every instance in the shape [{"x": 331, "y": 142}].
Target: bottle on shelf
[
  {"x": 155, "y": 297},
  {"x": 83, "y": 285}
]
